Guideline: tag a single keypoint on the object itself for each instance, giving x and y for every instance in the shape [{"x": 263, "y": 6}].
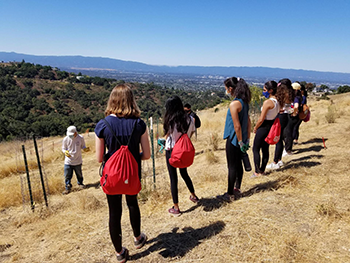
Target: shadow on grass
[
  {"x": 270, "y": 185},
  {"x": 316, "y": 148},
  {"x": 95, "y": 185},
  {"x": 177, "y": 244},
  {"x": 318, "y": 156},
  {"x": 210, "y": 204},
  {"x": 299, "y": 164},
  {"x": 199, "y": 152},
  {"x": 314, "y": 140}
]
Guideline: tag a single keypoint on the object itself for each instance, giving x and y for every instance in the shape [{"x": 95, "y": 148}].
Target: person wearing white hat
[{"x": 72, "y": 145}]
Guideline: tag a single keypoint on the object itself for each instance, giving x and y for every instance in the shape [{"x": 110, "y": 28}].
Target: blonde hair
[{"x": 122, "y": 103}]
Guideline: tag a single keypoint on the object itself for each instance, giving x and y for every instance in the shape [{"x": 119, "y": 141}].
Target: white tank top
[{"x": 272, "y": 113}]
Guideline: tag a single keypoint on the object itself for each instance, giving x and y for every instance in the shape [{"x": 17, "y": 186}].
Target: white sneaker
[
  {"x": 273, "y": 166},
  {"x": 280, "y": 163},
  {"x": 285, "y": 153}
]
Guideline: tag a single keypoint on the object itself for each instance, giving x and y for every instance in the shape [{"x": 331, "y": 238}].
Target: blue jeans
[{"x": 68, "y": 174}]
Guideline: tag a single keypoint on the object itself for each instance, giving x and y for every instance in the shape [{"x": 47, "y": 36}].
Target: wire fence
[{"x": 29, "y": 155}]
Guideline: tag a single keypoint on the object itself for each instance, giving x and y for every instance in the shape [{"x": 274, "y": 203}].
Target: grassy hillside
[
  {"x": 44, "y": 101},
  {"x": 300, "y": 213}
]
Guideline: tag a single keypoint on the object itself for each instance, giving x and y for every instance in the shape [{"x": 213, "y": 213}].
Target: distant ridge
[{"x": 262, "y": 73}]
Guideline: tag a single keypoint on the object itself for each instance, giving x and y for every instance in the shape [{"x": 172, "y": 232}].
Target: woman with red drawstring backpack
[
  {"x": 176, "y": 123},
  {"x": 289, "y": 94},
  {"x": 125, "y": 127},
  {"x": 269, "y": 112}
]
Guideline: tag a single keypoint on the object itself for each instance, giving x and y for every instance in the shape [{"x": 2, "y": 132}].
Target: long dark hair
[
  {"x": 231, "y": 82},
  {"x": 277, "y": 92},
  {"x": 175, "y": 116},
  {"x": 303, "y": 89},
  {"x": 242, "y": 91},
  {"x": 289, "y": 93}
]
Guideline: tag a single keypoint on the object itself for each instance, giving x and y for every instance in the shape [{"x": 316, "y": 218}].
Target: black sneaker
[
  {"x": 226, "y": 197},
  {"x": 237, "y": 194},
  {"x": 123, "y": 257},
  {"x": 141, "y": 242}
]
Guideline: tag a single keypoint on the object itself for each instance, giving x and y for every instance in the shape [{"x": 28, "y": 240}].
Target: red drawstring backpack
[
  {"x": 183, "y": 152},
  {"x": 275, "y": 132},
  {"x": 120, "y": 173}
]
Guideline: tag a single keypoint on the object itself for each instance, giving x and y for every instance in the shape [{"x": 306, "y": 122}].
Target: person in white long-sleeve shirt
[{"x": 72, "y": 145}]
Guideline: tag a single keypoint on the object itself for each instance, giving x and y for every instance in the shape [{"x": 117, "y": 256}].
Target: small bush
[
  {"x": 210, "y": 156},
  {"x": 331, "y": 115},
  {"x": 323, "y": 97},
  {"x": 214, "y": 141},
  {"x": 328, "y": 209}
]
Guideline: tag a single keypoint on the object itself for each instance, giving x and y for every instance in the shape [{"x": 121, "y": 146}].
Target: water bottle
[{"x": 246, "y": 162}]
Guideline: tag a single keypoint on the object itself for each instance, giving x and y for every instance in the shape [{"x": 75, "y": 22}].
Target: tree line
[{"x": 44, "y": 101}]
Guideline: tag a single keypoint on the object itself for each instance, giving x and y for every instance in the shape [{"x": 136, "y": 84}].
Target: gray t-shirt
[{"x": 74, "y": 146}]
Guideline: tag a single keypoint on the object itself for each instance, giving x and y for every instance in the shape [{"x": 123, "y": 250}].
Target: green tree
[{"x": 343, "y": 89}]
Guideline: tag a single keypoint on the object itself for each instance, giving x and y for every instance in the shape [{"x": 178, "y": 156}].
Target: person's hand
[
  {"x": 244, "y": 147},
  {"x": 86, "y": 149},
  {"x": 66, "y": 153}
]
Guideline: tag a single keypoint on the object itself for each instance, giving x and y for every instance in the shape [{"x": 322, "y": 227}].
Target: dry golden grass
[{"x": 300, "y": 213}]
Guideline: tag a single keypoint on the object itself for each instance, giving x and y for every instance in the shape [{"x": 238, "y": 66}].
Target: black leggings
[
  {"x": 115, "y": 214},
  {"x": 259, "y": 143},
  {"x": 173, "y": 178},
  {"x": 292, "y": 122},
  {"x": 234, "y": 165},
  {"x": 279, "y": 146},
  {"x": 296, "y": 130}
]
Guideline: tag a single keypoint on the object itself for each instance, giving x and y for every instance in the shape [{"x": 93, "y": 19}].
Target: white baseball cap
[
  {"x": 71, "y": 130},
  {"x": 296, "y": 86}
]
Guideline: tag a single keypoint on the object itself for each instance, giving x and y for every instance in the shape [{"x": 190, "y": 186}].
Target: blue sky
[{"x": 311, "y": 35}]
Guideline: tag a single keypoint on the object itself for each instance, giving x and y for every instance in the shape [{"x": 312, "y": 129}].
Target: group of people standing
[
  {"x": 284, "y": 100},
  {"x": 123, "y": 116}
]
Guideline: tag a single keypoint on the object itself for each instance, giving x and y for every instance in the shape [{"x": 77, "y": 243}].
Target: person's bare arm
[
  {"x": 249, "y": 127},
  {"x": 235, "y": 108},
  {"x": 145, "y": 147},
  {"x": 99, "y": 144},
  {"x": 268, "y": 104}
]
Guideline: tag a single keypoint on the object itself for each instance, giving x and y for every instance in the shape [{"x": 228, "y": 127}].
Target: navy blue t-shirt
[{"x": 122, "y": 128}]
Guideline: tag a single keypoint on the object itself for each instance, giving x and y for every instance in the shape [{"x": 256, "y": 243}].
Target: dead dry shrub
[
  {"x": 214, "y": 141},
  {"x": 87, "y": 201},
  {"x": 328, "y": 209},
  {"x": 145, "y": 192},
  {"x": 331, "y": 114},
  {"x": 210, "y": 157},
  {"x": 293, "y": 250},
  {"x": 158, "y": 196},
  {"x": 287, "y": 180},
  {"x": 32, "y": 216},
  {"x": 210, "y": 177},
  {"x": 10, "y": 192}
]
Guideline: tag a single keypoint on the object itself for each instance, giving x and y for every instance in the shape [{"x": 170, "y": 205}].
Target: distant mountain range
[{"x": 253, "y": 73}]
